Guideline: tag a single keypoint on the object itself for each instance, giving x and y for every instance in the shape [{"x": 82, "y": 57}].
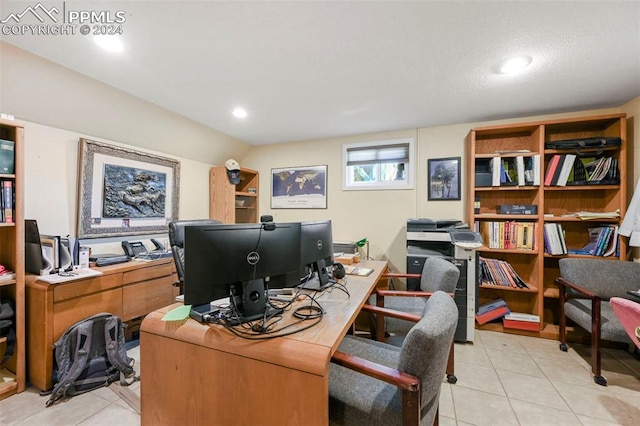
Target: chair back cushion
[
  {"x": 176, "y": 240},
  {"x": 439, "y": 274},
  {"x": 628, "y": 312},
  {"x": 425, "y": 350},
  {"x": 606, "y": 278}
]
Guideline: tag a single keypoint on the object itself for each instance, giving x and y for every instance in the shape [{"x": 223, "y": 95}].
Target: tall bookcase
[
  {"x": 12, "y": 257},
  {"x": 233, "y": 203},
  {"x": 555, "y": 204}
]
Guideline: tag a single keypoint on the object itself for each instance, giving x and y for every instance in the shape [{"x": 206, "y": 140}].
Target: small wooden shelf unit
[{"x": 230, "y": 203}]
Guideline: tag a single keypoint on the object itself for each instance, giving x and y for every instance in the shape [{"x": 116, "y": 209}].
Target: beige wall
[
  {"x": 40, "y": 91},
  {"x": 51, "y": 183}
]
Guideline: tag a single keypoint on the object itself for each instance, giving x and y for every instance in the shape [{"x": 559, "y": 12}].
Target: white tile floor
[{"x": 503, "y": 379}]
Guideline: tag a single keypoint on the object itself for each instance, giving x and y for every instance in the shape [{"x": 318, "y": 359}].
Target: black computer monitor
[
  {"x": 316, "y": 254},
  {"x": 235, "y": 261}
]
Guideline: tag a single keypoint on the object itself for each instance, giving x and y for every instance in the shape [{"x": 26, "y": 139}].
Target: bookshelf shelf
[{"x": 535, "y": 266}]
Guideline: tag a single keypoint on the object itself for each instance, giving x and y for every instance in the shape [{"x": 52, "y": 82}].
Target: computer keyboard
[{"x": 154, "y": 255}]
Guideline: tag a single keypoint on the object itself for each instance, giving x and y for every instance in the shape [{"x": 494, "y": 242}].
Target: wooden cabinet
[
  {"x": 129, "y": 290},
  {"x": 555, "y": 204},
  {"x": 12, "y": 375},
  {"x": 233, "y": 203}
]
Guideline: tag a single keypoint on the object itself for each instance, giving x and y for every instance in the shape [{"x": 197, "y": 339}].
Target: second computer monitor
[{"x": 316, "y": 253}]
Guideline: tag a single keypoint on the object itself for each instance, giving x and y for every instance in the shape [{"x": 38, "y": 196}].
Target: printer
[{"x": 453, "y": 240}]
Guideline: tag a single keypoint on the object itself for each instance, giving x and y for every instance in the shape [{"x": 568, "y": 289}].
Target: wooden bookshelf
[
  {"x": 233, "y": 203},
  {"x": 536, "y": 267},
  {"x": 12, "y": 375}
]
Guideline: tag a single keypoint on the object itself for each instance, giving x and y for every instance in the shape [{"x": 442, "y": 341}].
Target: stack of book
[
  {"x": 491, "y": 311},
  {"x": 515, "y": 170},
  {"x": 603, "y": 241},
  {"x": 499, "y": 272},
  {"x": 554, "y": 242},
  {"x": 571, "y": 169},
  {"x": 521, "y": 321},
  {"x": 508, "y": 234}
]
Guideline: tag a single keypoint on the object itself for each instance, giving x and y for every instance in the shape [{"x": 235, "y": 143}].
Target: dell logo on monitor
[
  {"x": 319, "y": 244},
  {"x": 253, "y": 258}
]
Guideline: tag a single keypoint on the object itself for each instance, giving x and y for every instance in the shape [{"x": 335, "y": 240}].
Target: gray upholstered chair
[
  {"x": 375, "y": 383},
  {"x": 176, "y": 240},
  {"x": 584, "y": 285},
  {"x": 438, "y": 274}
]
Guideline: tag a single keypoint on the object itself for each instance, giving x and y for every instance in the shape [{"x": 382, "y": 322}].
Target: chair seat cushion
[
  {"x": 372, "y": 398},
  {"x": 579, "y": 310}
]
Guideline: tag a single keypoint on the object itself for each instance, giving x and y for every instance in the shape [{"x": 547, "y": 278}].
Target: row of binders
[
  {"x": 603, "y": 241},
  {"x": 571, "y": 169},
  {"x": 518, "y": 170},
  {"x": 508, "y": 234},
  {"x": 500, "y": 273}
]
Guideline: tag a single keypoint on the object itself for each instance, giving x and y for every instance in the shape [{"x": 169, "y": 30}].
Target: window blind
[{"x": 395, "y": 153}]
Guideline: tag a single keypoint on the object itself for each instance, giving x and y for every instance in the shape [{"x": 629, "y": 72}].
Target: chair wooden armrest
[
  {"x": 405, "y": 293},
  {"x": 390, "y": 375},
  {"x": 407, "y": 384},
  {"x": 391, "y": 313},
  {"x": 399, "y": 275},
  {"x": 564, "y": 283}
]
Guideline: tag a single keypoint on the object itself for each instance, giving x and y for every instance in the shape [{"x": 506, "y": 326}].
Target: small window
[{"x": 378, "y": 165}]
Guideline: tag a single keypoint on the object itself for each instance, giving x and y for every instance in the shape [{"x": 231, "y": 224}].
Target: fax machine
[{"x": 454, "y": 241}]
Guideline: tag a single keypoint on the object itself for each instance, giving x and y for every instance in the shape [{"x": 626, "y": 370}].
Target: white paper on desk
[{"x": 72, "y": 276}]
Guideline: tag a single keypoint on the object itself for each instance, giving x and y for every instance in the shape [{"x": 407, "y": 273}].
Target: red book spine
[
  {"x": 521, "y": 325},
  {"x": 492, "y": 315},
  {"x": 551, "y": 169}
]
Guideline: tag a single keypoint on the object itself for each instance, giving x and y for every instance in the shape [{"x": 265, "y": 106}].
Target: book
[
  {"x": 7, "y": 201},
  {"x": 7, "y": 156},
  {"x": 551, "y": 169},
  {"x": 496, "y": 168},
  {"x": 567, "y": 167},
  {"x": 520, "y": 170},
  {"x": 521, "y": 321},
  {"x": 492, "y": 315},
  {"x": 357, "y": 270},
  {"x": 489, "y": 306}
]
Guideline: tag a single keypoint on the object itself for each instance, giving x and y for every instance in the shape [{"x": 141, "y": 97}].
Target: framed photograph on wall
[
  {"x": 299, "y": 187},
  {"x": 444, "y": 178},
  {"x": 125, "y": 192}
]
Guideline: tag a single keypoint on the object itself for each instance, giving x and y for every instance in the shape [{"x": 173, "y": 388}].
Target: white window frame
[{"x": 348, "y": 185}]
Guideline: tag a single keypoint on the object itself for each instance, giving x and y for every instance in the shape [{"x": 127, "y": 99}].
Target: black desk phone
[{"x": 134, "y": 248}]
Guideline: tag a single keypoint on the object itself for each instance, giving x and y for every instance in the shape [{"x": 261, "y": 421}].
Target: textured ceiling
[{"x": 309, "y": 70}]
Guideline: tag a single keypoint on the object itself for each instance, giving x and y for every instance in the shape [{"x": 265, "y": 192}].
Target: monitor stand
[
  {"x": 318, "y": 281},
  {"x": 252, "y": 303}
]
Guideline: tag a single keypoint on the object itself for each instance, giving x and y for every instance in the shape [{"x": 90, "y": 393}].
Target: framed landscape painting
[{"x": 444, "y": 178}]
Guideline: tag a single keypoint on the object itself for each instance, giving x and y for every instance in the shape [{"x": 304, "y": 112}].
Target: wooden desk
[
  {"x": 128, "y": 290},
  {"x": 200, "y": 374}
]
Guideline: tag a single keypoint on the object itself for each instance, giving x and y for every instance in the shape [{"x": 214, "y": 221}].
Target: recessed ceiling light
[
  {"x": 110, "y": 43},
  {"x": 239, "y": 113},
  {"x": 515, "y": 65}
]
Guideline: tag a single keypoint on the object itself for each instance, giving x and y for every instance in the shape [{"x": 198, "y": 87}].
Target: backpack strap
[
  {"x": 116, "y": 352},
  {"x": 82, "y": 348}
]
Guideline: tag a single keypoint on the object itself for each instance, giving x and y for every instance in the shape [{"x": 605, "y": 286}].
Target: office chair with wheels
[
  {"x": 438, "y": 274},
  {"x": 584, "y": 284},
  {"x": 176, "y": 240},
  {"x": 375, "y": 383}
]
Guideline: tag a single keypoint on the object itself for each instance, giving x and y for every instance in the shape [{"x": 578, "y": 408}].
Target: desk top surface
[{"x": 309, "y": 350}]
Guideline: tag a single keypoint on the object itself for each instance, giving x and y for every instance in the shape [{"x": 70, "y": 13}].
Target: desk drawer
[
  {"x": 81, "y": 288},
  {"x": 148, "y": 273},
  {"x": 70, "y": 311},
  {"x": 141, "y": 298}
]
